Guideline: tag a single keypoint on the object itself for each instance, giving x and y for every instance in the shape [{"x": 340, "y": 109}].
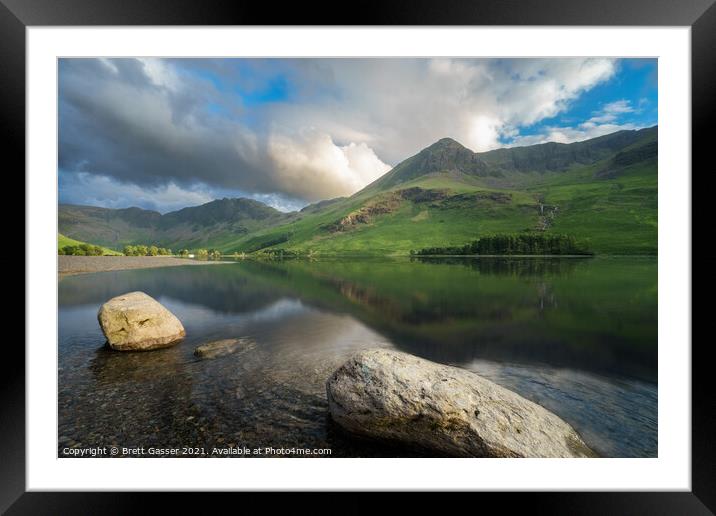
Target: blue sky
[
  {"x": 633, "y": 87},
  {"x": 164, "y": 134}
]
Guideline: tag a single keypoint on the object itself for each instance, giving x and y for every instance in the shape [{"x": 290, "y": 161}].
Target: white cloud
[
  {"x": 147, "y": 122},
  {"x": 400, "y": 106},
  {"x": 160, "y": 73},
  {"x": 364, "y": 165},
  {"x": 618, "y": 107},
  {"x": 611, "y": 111},
  {"x": 310, "y": 165},
  {"x": 484, "y": 134},
  {"x": 604, "y": 121}
]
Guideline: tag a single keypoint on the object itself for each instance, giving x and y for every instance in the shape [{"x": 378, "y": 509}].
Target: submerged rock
[
  {"x": 220, "y": 348},
  {"x": 391, "y": 395},
  {"x": 137, "y": 322}
]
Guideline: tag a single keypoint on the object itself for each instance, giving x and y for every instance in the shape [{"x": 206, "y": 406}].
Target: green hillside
[
  {"x": 63, "y": 241},
  {"x": 602, "y": 191}
]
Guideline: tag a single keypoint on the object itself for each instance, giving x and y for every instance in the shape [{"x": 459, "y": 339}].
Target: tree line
[
  {"x": 202, "y": 254},
  {"x": 137, "y": 250},
  {"x": 513, "y": 244},
  {"x": 144, "y": 250},
  {"x": 81, "y": 250},
  {"x": 152, "y": 250}
]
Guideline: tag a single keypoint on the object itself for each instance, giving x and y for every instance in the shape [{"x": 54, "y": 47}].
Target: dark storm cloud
[
  {"x": 146, "y": 127},
  {"x": 153, "y": 122}
]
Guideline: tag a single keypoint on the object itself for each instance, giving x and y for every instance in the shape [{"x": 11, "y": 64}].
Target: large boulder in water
[
  {"x": 137, "y": 322},
  {"x": 399, "y": 397}
]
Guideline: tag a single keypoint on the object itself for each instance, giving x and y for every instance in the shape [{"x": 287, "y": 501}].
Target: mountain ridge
[
  {"x": 118, "y": 227},
  {"x": 448, "y": 155},
  {"x": 446, "y": 193}
]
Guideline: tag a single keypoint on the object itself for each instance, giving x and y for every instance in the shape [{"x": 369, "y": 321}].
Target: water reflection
[
  {"x": 525, "y": 267},
  {"x": 578, "y": 336}
]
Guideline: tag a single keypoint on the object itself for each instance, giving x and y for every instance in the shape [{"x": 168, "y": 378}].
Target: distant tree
[
  {"x": 91, "y": 250},
  {"x": 73, "y": 250},
  {"x": 202, "y": 254},
  {"x": 152, "y": 250},
  {"x": 184, "y": 252},
  {"x": 514, "y": 244}
]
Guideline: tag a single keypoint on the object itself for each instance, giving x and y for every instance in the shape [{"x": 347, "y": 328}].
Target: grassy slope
[
  {"x": 615, "y": 216},
  {"x": 63, "y": 241},
  {"x": 411, "y": 225}
]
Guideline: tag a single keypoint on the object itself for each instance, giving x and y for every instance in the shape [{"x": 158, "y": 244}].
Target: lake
[{"x": 576, "y": 335}]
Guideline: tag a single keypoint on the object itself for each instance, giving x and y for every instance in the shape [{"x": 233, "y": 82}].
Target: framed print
[{"x": 267, "y": 256}]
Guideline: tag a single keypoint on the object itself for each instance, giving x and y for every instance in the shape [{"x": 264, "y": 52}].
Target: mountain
[
  {"x": 505, "y": 166},
  {"x": 603, "y": 191},
  {"x": 446, "y": 155},
  {"x": 205, "y": 225},
  {"x": 558, "y": 157}
]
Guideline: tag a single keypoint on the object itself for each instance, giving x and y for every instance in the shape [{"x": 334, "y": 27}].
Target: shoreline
[
  {"x": 73, "y": 265},
  {"x": 502, "y": 255},
  {"x": 318, "y": 256}
]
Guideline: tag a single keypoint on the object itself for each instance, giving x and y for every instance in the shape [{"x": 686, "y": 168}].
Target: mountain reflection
[{"x": 593, "y": 315}]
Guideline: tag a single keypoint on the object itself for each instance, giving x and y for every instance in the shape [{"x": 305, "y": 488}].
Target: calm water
[{"x": 578, "y": 336}]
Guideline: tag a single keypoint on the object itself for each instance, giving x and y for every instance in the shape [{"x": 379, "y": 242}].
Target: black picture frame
[{"x": 700, "y": 15}]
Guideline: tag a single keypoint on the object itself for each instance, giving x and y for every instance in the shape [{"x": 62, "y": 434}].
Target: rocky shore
[
  {"x": 384, "y": 395},
  {"x": 67, "y": 265}
]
